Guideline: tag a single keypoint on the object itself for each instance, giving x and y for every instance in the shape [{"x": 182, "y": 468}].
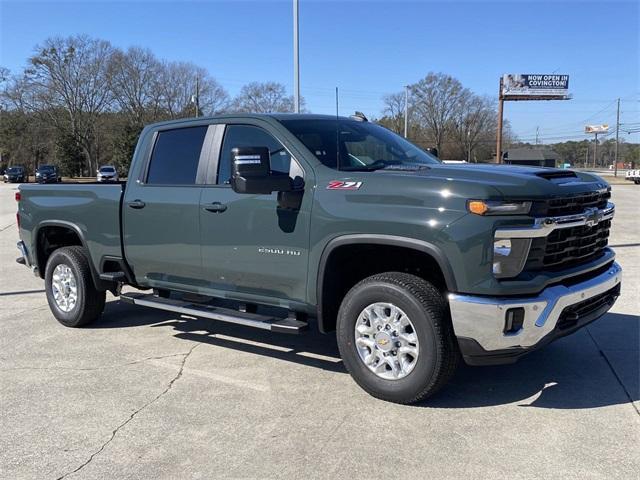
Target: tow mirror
[
  {"x": 433, "y": 151},
  {"x": 251, "y": 172}
]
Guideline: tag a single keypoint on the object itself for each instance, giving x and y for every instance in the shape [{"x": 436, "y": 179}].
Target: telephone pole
[
  {"x": 406, "y": 110},
  {"x": 615, "y": 157},
  {"x": 296, "y": 60},
  {"x": 499, "y": 133}
]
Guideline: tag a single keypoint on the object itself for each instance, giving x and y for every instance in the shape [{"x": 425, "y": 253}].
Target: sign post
[
  {"x": 596, "y": 129},
  {"x": 528, "y": 86}
]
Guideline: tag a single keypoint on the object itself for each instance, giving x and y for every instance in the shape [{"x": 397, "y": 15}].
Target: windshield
[
  {"x": 46, "y": 168},
  {"x": 362, "y": 145},
  {"x": 14, "y": 170},
  {"x": 107, "y": 170}
]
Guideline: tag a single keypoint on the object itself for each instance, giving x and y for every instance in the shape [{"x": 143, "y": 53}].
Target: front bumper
[{"x": 479, "y": 322}]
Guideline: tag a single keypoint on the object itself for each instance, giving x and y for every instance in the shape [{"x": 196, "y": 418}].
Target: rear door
[{"x": 161, "y": 221}]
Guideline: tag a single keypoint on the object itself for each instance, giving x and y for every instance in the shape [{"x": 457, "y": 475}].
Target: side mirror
[
  {"x": 433, "y": 151},
  {"x": 251, "y": 172}
]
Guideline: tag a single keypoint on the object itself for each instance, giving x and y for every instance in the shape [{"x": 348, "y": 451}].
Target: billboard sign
[
  {"x": 596, "y": 128},
  {"x": 529, "y": 86}
]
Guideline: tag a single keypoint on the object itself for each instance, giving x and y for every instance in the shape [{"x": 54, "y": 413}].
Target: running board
[{"x": 265, "y": 322}]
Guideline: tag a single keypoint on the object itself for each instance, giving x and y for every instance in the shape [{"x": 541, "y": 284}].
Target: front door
[
  {"x": 161, "y": 213},
  {"x": 249, "y": 244}
]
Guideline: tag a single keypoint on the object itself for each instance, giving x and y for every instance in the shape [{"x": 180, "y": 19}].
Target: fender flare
[
  {"x": 378, "y": 239},
  {"x": 76, "y": 229}
]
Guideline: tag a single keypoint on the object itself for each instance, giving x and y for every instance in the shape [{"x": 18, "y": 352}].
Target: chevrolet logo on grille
[{"x": 593, "y": 216}]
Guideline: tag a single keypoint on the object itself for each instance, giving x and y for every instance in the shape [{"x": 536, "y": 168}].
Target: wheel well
[
  {"x": 348, "y": 264},
  {"x": 50, "y": 238}
]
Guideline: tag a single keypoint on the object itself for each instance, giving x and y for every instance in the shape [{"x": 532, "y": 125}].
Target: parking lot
[{"x": 145, "y": 394}]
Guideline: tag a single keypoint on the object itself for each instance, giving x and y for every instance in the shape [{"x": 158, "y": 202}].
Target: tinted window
[
  {"x": 362, "y": 145},
  {"x": 107, "y": 169},
  {"x": 176, "y": 155},
  {"x": 249, "y": 136}
]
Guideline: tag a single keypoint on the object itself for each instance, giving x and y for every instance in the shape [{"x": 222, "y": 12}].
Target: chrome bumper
[
  {"x": 483, "y": 318},
  {"x": 23, "y": 251}
]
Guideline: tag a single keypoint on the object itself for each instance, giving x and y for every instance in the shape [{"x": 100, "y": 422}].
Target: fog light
[
  {"x": 509, "y": 256},
  {"x": 513, "y": 320}
]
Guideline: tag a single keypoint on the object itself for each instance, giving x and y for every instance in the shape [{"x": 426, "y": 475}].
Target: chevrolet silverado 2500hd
[{"x": 415, "y": 264}]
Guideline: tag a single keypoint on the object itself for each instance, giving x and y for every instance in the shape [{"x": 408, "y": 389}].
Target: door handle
[
  {"x": 137, "y": 204},
  {"x": 216, "y": 207}
]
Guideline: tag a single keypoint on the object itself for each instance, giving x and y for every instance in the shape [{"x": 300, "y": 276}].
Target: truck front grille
[
  {"x": 568, "y": 247},
  {"x": 572, "y": 205}
]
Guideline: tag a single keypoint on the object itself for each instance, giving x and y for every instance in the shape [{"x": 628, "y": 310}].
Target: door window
[
  {"x": 250, "y": 136},
  {"x": 176, "y": 155}
]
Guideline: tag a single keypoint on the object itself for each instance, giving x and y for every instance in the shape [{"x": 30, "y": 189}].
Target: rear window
[{"x": 175, "y": 156}]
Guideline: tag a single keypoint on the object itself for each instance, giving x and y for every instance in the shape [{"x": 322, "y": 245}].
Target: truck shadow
[{"x": 575, "y": 372}]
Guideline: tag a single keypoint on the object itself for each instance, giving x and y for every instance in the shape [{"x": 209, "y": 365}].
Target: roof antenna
[{"x": 337, "y": 134}]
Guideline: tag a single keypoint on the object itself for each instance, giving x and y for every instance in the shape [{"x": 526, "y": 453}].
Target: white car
[{"x": 107, "y": 173}]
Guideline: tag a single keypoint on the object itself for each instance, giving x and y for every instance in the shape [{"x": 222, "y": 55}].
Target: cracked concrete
[
  {"x": 132, "y": 416},
  {"x": 129, "y": 398}
]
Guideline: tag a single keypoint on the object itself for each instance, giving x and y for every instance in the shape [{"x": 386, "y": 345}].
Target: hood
[{"x": 512, "y": 181}]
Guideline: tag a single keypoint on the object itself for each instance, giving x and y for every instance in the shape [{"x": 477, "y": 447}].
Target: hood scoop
[{"x": 557, "y": 174}]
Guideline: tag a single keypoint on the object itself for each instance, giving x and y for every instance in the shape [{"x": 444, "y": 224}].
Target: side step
[
  {"x": 113, "y": 276},
  {"x": 265, "y": 322}
]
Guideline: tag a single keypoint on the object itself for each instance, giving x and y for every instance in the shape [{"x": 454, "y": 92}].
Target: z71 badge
[{"x": 340, "y": 185}]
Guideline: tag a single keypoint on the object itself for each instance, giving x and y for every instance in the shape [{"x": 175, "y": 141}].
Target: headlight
[
  {"x": 496, "y": 207},
  {"x": 509, "y": 256}
]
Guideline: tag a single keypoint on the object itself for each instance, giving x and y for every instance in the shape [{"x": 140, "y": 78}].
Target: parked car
[
  {"x": 107, "y": 173},
  {"x": 17, "y": 174},
  {"x": 275, "y": 219},
  {"x": 48, "y": 174}
]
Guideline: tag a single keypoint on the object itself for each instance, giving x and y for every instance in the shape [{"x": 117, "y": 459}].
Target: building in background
[{"x": 533, "y": 157}]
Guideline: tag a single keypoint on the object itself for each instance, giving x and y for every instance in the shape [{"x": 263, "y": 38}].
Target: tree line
[{"x": 81, "y": 102}]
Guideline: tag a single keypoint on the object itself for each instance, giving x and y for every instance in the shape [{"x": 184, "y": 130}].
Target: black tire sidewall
[
  {"x": 72, "y": 318},
  {"x": 423, "y": 373}
]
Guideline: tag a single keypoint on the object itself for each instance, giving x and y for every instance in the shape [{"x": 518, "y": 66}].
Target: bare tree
[
  {"x": 473, "y": 122},
  {"x": 436, "y": 98},
  {"x": 264, "y": 97},
  {"x": 71, "y": 75},
  {"x": 135, "y": 76},
  {"x": 178, "y": 88}
]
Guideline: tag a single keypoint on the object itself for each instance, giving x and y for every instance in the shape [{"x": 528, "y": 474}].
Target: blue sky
[{"x": 371, "y": 48}]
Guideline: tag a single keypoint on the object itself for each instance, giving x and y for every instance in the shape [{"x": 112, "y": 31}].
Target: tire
[
  {"x": 89, "y": 303},
  {"x": 426, "y": 308}
]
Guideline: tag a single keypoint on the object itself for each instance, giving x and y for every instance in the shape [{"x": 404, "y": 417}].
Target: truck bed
[{"x": 91, "y": 209}]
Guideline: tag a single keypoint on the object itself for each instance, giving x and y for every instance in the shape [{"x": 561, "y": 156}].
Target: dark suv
[
  {"x": 48, "y": 174},
  {"x": 17, "y": 174}
]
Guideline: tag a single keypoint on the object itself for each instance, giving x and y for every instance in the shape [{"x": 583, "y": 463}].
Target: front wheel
[
  {"x": 395, "y": 337},
  {"x": 72, "y": 296}
]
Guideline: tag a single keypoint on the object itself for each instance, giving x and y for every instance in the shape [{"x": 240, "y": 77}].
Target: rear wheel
[
  {"x": 72, "y": 296},
  {"x": 395, "y": 337}
]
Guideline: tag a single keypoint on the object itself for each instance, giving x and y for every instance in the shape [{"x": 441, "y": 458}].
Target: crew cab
[{"x": 279, "y": 221}]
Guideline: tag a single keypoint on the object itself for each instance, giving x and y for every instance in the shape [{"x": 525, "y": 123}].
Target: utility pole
[
  {"x": 615, "y": 157},
  {"x": 537, "y": 133},
  {"x": 196, "y": 98},
  {"x": 595, "y": 151},
  {"x": 586, "y": 156},
  {"x": 296, "y": 60},
  {"x": 406, "y": 110},
  {"x": 499, "y": 133}
]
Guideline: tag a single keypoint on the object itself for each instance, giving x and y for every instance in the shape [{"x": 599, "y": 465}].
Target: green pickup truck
[{"x": 277, "y": 221}]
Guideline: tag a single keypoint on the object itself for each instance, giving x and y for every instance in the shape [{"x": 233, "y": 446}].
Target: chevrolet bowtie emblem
[{"x": 593, "y": 216}]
